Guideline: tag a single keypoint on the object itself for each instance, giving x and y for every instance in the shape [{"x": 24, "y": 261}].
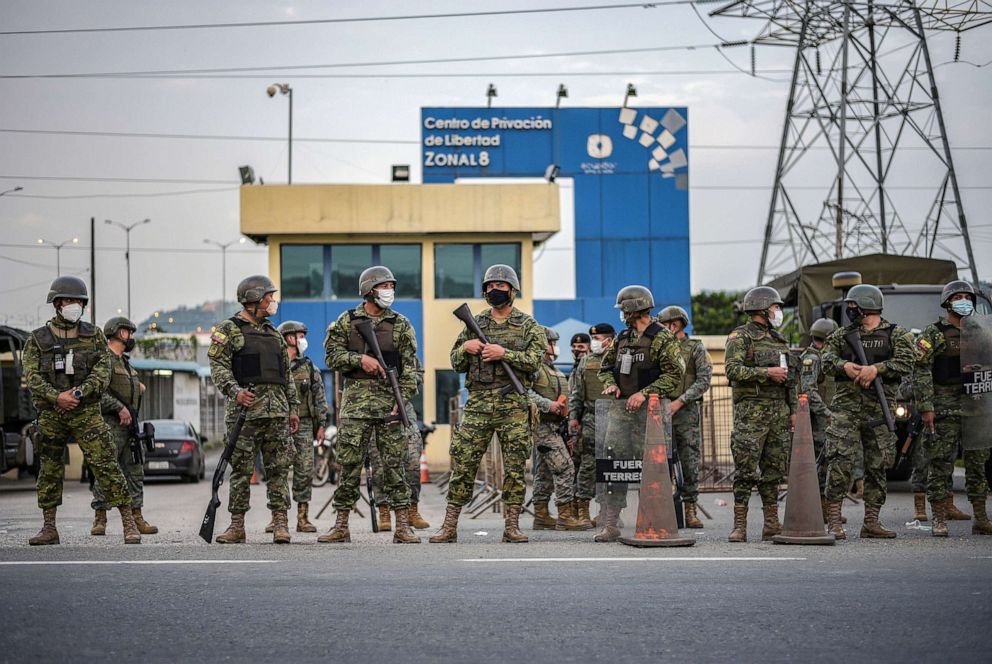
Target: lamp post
[
  {"x": 127, "y": 252},
  {"x": 223, "y": 267},
  {"x": 286, "y": 90},
  {"x": 11, "y": 190},
  {"x": 490, "y": 93},
  {"x": 561, "y": 94},
  {"x": 58, "y": 251},
  {"x": 631, "y": 92}
]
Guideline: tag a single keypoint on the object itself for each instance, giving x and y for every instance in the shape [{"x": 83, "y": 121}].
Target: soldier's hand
[
  {"x": 492, "y": 352},
  {"x": 852, "y": 370},
  {"x": 778, "y": 374},
  {"x": 573, "y": 427},
  {"x": 320, "y": 434},
  {"x": 245, "y": 398},
  {"x": 558, "y": 408},
  {"x": 635, "y": 401},
  {"x": 867, "y": 375},
  {"x": 371, "y": 366},
  {"x": 928, "y": 420},
  {"x": 792, "y": 422},
  {"x": 395, "y": 413},
  {"x": 612, "y": 390},
  {"x": 125, "y": 416},
  {"x": 294, "y": 423},
  {"x": 676, "y": 406},
  {"x": 66, "y": 401},
  {"x": 472, "y": 346}
]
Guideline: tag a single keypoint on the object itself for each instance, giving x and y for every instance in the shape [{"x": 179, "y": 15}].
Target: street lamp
[
  {"x": 562, "y": 93},
  {"x": 490, "y": 93},
  {"x": 286, "y": 90},
  {"x": 58, "y": 251},
  {"x": 127, "y": 252},
  {"x": 11, "y": 190},
  {"x": 631, "y": 92},
  {"x": 223, "y": 267}
]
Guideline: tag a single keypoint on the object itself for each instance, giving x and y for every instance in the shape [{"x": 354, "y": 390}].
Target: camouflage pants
[
  {"x": 134, "y": 473},
  {"x": 760, "y": 445},
  {"x": 270, "y": 435},
  {"x": 508, "y": 418},
  {"x": 849, "y": 435},
  {"x": 584, "y": 460},
  {"x": 688, "y": 435},
  {"x": 355, "y": 437},
  {"x": 302, "y": 462},
  {"x": 85, "y": 425},
  {"x": 976, "y": 480},
  {"x": 414, "y": 447},
  {"x": 939, "y": 452},
  {"x": 553, "y": 470}
]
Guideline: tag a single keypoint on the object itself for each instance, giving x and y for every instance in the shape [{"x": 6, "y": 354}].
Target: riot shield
[{"x": 976, "y": 379}]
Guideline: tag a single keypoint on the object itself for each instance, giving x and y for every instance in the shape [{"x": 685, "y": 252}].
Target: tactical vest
[
  {"x": 302, "y": 372},
  {"x": 550, "y": 384},
  {"x": 124, "y": 383},
  {"x": 878, "y": 348},
  {"x": 260, "y": 360},
  {"x": 643, "y": 371},
  {"x": 947, "y": 365},
  {"x": 824, "y": 383},
  {"x": 689, "y": 377},
  {"x": 764, "y": 351},
  {"x": 86, "y": 347},
  {"x": 510, "y": 335},
  {"x": 383, "y": 334},
  {"x": 590, "y": 378}
]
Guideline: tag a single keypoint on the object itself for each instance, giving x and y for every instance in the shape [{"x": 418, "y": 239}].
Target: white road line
[
  {"x": 685, "y": 559},
  {"x": 136, "y": 562}
]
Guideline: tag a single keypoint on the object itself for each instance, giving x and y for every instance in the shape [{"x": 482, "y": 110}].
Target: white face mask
[
  {"x": 301, "y": 345},
  {"x": 555, "y": 350},
  {"x": 72, "y": 312},
  {"x": 597, "y": 347},
  {"x": 384, "y": 297},
  {"x": 272, "y": 308},
  {"x": 776, "y": 319}
]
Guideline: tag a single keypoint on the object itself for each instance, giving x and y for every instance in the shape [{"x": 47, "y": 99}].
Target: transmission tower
[{"x": 864, "y": 165}]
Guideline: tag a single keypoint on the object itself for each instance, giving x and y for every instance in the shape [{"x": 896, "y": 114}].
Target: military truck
[{"x": 17, "y": 413}]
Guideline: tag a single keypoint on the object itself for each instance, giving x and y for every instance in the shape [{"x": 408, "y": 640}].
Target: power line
[
  {"x": 153, "y": 250},
  {"x": 160, "y": 194}
]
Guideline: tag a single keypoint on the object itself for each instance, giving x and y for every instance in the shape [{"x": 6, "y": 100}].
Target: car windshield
[
  {"x": 914, "y": 311},
  {"x": 170, "y": 429}
]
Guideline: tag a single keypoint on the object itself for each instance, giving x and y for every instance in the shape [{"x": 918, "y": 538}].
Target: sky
[{"x": 188, "y": 187}]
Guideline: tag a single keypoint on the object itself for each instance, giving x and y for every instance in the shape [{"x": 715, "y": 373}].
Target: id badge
[
  {"x": 783, "y": 361},
  {"x": 626, "y": 362},
  {"x": 69, "y": 369},
  {"x": 59, "y": 363}
]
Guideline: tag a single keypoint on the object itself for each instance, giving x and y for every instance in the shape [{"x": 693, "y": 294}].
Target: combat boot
[
  {"x": 953, "y": 513},
  {"x": 981, "y": 526},
  {"x": 610, "y": 520},
  {"x": 834, "y": 526},
  {"x": 144, "y": 527},
  {"x": 416, "y": 520},
  {"x": 859, "y": 489},
  {"x": 920, "y": 507},
  {"x": 48, "y": 534},
  {"x": 385, "y": 524},
  {"x": 566, "y": 518},
  {"x": 270, "y": 526},
  {"x": 404, "y": 534},
  {"x": 339, "y": 533},
  {"x": 771, "y": 526},
  {"x": 542, "y": 517},
  {"x": 99, "y": 523},
  {"x": 303, "y": 524},
  {"x": 235, "y": 533},
  {"x": 582, "y": 514},
  {"x": 131, "y": 534},
  {"x": 872, "y": 526},
  {"x": 511, "y": 525},
  {"x": 939, "y": 510},
  {"x": 280, "y": 531},
  {"x": 739, "y": 533},
  {"x": 691, "y": 518},
  {"x": 449, "y": 529}
]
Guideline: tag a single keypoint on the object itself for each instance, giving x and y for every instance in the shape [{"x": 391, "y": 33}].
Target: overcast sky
[{"x": 172, "y": 265}]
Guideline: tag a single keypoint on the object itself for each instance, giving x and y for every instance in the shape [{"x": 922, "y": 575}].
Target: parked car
[{"x": 178, "y": 451}]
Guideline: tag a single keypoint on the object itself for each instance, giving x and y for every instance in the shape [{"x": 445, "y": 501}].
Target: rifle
[
  {"x": 367, "y": 462},
  {"x": 365, "y": 329},
  {"x": 207, "y": 527},
  {"x": 853, "y": 339},
  {"x": 464, "y": 314},
  {"x": 145, "y": 435}
]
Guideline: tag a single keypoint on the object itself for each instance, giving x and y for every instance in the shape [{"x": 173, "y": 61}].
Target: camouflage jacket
[
  {"x": 554, "y": 374},
  {"x": 314, "y": 394},
  {"x": 525, "y": 361},
  {"x": 743, "y": 347},
  {"x": 665, "y": 353},
  {"x": 930, "y": 345},
  {"x": 847, "y": 394},
  {"x": 578, "y": 406},
  {"x": 45, "y": 393},
  {"x": 109, "y": 404},
  {"x": 810, "y": 377},
  {"x": 695, "y": 353}
]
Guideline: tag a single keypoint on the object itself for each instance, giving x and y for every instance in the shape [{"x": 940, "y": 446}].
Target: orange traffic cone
[
  {"x": 803, "y": 512},
  {"x": 254, "y": 478},
  {"x": 425, "y": 475},
  {"x": 656, "y": 524}
]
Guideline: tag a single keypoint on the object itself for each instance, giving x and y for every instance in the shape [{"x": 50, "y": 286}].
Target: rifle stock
[
  {"x": 365, "y": 329},
  {"x": 464, "y": 314},
  {"x": 367, "y": 462},
  {"x": 853, "y": 339},
  {"x": 210, "y": 518}
]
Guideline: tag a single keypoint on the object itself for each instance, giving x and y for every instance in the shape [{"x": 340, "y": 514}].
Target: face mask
[
  {"x": 301, "y": 345},
  {"x": 272, "y": 308},
  {"x": 854, "y": 314},
  {"x": 776, "y": 319},
  {"x": 384, "y": 298},
  {"x": 498, "y": 298},
  {"x": 555, "y": 350},
  {"x": 129, "y": 345},
  {"x": 963, "y": 307},
  {"x": 72, "y": 312},
  {"x": 596, "y": 346}
]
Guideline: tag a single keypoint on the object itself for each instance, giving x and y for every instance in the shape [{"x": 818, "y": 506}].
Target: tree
[{"x": 713, "y": 312}]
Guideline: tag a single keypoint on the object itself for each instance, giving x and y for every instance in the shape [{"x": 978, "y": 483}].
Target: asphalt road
[{"x": 559, "y": 598}]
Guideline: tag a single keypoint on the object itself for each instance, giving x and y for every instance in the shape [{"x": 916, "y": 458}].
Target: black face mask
[
  {"x": 498, "y": 298},
  {"x": 129, "y": 345},
  {"x": 854, "y": 314}
]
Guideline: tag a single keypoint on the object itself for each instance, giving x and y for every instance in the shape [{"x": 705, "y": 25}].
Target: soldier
[
  {"x": 367, "y": 400},
  {"x": 119, "y": 405},
  {"x": 765, "y": 403},
  {"x": 67, "y": 368},
  {"x": 686, "y": 409},
  {"x": 855, "y": 410},
  {"x": 553, "y": 470},
  {"x": 493, "y": 406},
  {"x": 645, "y": 359},
  {"x": 313, "y": 416},
  {"x": 819, "y": 387},
  {"x": 938, "y": 355},
  {"x": 580, "y": 346},
  {"x": 585, "y": 390},
  {"x": 249, "y": 364}
]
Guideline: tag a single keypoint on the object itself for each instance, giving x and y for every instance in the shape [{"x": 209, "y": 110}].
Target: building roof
[{"x": 171, "y": 365}]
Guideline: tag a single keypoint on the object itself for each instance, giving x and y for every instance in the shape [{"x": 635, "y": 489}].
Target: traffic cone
[
  {"x": 254, "y": 478},
  {"x": 803, "y": 522},
  {"x": 656, "y": 523},
  {"x": 425, "y": 475}
]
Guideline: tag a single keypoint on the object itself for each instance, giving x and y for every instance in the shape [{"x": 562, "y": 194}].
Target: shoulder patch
[
  {"x": 218, "y": 337},
  {"x": 923, "y": 347},
  {"x": 733, "y": 335}
]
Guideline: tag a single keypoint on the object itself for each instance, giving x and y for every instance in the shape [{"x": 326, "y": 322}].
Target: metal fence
[{"x": 717, "y": 420}]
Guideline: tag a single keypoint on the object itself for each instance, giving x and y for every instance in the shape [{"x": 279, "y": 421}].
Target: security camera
[{"x": 271, "y": 90}]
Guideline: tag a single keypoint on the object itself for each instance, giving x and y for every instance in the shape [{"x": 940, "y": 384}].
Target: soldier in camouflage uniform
[
  {"x": 580, "y": 346},
  {"x": 687, "y": 408},
  {"x": 493, "y": 406},
  {"x": 249, "y": 364},
  {"x": 67, "y": 368},
  {"x": 367, "y": 400},
  {"x": 765, "y": 402},
  {"x": 645, "y": 359},
  {"x": 938, "y": 355},
  {"x": 553, "y": 470},
  {"x": 119, "y": 406},
  {"x": 855, "y": 410},
  {"x": 819, "y": 387},
  {"x": 585, "y": 389}
]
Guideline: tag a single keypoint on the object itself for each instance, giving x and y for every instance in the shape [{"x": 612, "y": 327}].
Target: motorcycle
[{"x": 325, "y": 465}]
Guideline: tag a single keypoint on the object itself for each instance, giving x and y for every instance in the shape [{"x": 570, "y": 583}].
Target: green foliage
[
  {"x": 713, "y": 312},
  {"x": 166, "y": 347}
]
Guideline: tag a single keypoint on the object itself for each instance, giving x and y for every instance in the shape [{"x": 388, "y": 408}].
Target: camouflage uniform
[
  {"x": 686, "y": 423},
  {"x": 759, "y": 441},
  {"x": 124, "y": 381},
  {"x": 489, "y": 411},
  {"x": 414, "y": 448},
  {"x": 586, "y": 389},
  {"x": 313, "y": 415},
  {"x": 366, "y": 400},
  {"x": 815, "y": 383},
  {"x": 553, "y": 470},
  {"x": 82, "y": 424},
  {"x": 266, "y": 425}
]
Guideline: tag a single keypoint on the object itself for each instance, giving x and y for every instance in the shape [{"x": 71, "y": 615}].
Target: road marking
[
  {"x": 136, "y": 562},
  {"x": 632, "y": 559}
]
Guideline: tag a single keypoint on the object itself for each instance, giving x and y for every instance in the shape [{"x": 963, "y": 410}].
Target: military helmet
[
  {"x": 254, "y": 288},
  {"x": 822, "y": 328},
  {"x": 674, "y": 312},
  {"x": 866, "y": 296},
  {"x": 634, "y": 298},
  {"x": 501, "y": 272},
  {"x": 372, "y": 277},
  {"x": 291, "y": 326},
  {"x": 68, "y": 286},
  {"x": 954, "y": 288},
  {"x": 551, "y": 334},
  {"x": 116, "y": 323},
  {"x": 761, "y": 298}
]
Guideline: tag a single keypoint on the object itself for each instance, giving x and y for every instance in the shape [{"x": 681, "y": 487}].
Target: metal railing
[{"x": 717, "y": 463}]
